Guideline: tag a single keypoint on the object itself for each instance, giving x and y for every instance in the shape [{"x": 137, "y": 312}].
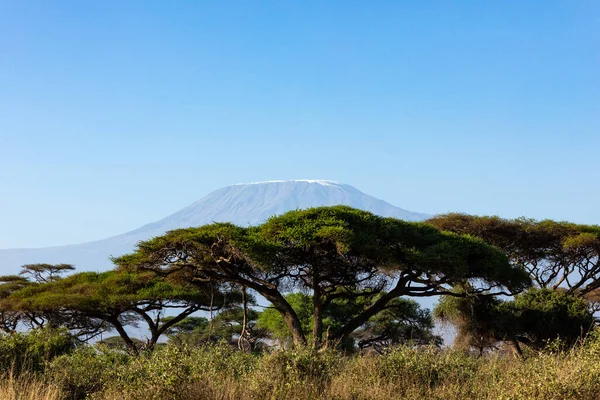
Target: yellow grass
[
  {"x": 220, "y": 373},
  {"x": 27, "y": 388}
]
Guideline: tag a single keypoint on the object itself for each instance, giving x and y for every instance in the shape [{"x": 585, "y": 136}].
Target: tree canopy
[
  {"x": 555, "y": 254},
  {"x": 118, "y": 299},
  {"x": 534, "y": 317},
  {"x": 335, "y": 253}
]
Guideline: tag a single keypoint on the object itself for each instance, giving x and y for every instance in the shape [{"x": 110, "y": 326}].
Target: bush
[
  {"x": 31, "y": 351},
  {"x": 427, "y": 366},
  {"x": 283, "y": 372},
  {"x": 86, "y": 370},
  {"x": 173, "y": 372}
]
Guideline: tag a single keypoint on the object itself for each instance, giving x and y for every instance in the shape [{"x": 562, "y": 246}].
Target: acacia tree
[
  {"x": 81, "y": 328},
  {"x": 335, "y": 253},
  {"x": 562, "y": 259},
  {"x": 555, "y": 254},
  {"x": 533, "y": 318},
  {"x": 340, "y": 253},
  {"x": 593, "y": 298},
  {"x": 118, "y": 299},
  {"x": 44, "y": 273}
]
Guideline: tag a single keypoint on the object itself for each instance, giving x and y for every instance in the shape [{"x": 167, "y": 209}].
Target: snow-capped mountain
[{"x": 242, "y": 204}]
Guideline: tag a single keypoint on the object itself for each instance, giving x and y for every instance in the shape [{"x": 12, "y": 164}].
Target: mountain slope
[{"x": 242, "y": 204}]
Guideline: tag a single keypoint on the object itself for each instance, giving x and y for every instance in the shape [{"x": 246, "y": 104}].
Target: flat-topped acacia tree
[
  {"x": 44, "y": 273},
  {"x": 335, "y": 253},
  {"x": 33, "y": 275},
  {"x": 118, "y": 299},
  {"x": 555, "y": 254}
]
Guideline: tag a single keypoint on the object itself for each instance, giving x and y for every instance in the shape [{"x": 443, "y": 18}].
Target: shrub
[
  {"x": 180, "y": 373},
  {"x": 86, "y": 370},
  {"x": 32, "y": 350}
]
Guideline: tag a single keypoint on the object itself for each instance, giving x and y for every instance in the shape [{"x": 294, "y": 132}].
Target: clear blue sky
[{"x": 117, "y": 113}]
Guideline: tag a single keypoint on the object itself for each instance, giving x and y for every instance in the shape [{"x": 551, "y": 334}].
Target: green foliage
[
  {"x": 271, "y": 320},
  {"x": 341, "y": 242},
  {"x": 535, "y": 317},
  {"x": 555, "y": 254},
  {"x": 103, "y": 292},
  {"x": 30, "y": 351},
  {"x": 10, "y": 319},
  {"x": 162, "y": 374},
  {"x": 282, "y": 372},
  {"x": 429, "y": 366},
  {"x": 90, "y": 301},
  {"x": 544, "y": 315},
  {"x": 402, "y": 321},
  {"x": 85, "y": 371},
  {"x": 170, "y": 372}
]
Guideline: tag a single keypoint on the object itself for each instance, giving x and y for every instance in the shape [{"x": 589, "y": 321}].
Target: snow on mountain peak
[{"x": 319, "y": 181}]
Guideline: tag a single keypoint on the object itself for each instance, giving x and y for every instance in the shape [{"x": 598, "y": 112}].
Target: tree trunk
[
  {"x": 317, "y": 324},
  {"x": 241, "y": 345},
  {"x": 279, "y": 303},
  {"x": 317, "y": 317},
  {"x": 128, "y": 342},
  {"x": 516, "y": 348},
  {"x": 289, "y": 315}
]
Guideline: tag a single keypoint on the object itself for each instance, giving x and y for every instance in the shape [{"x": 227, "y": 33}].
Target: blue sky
[{"x": 117, "y": 113}]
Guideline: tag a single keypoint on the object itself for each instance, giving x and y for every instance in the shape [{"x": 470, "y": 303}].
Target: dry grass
[
  {"x": 219, "y": 373},
  {"x": 27, "y": 387},
  {"x": 404, "y": 374}
]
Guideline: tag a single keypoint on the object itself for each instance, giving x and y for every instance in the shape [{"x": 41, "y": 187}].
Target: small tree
[
  {"x": 44, "y": 273},
  {"x": 533, "y": 318},
  {"x": 479, "y": 322},
  {"x": 227, "y": 325},
  {"x": 235, "y": 323}
]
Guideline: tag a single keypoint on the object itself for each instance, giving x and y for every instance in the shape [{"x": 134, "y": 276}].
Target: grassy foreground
[{"x": 219, "y": 372}]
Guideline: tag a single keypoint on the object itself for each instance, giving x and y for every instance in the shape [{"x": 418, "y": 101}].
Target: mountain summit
[{"x": 241, "y": 204}]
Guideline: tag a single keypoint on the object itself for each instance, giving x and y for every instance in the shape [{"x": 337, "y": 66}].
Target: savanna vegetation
[{"x": 315, "y": 304}]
